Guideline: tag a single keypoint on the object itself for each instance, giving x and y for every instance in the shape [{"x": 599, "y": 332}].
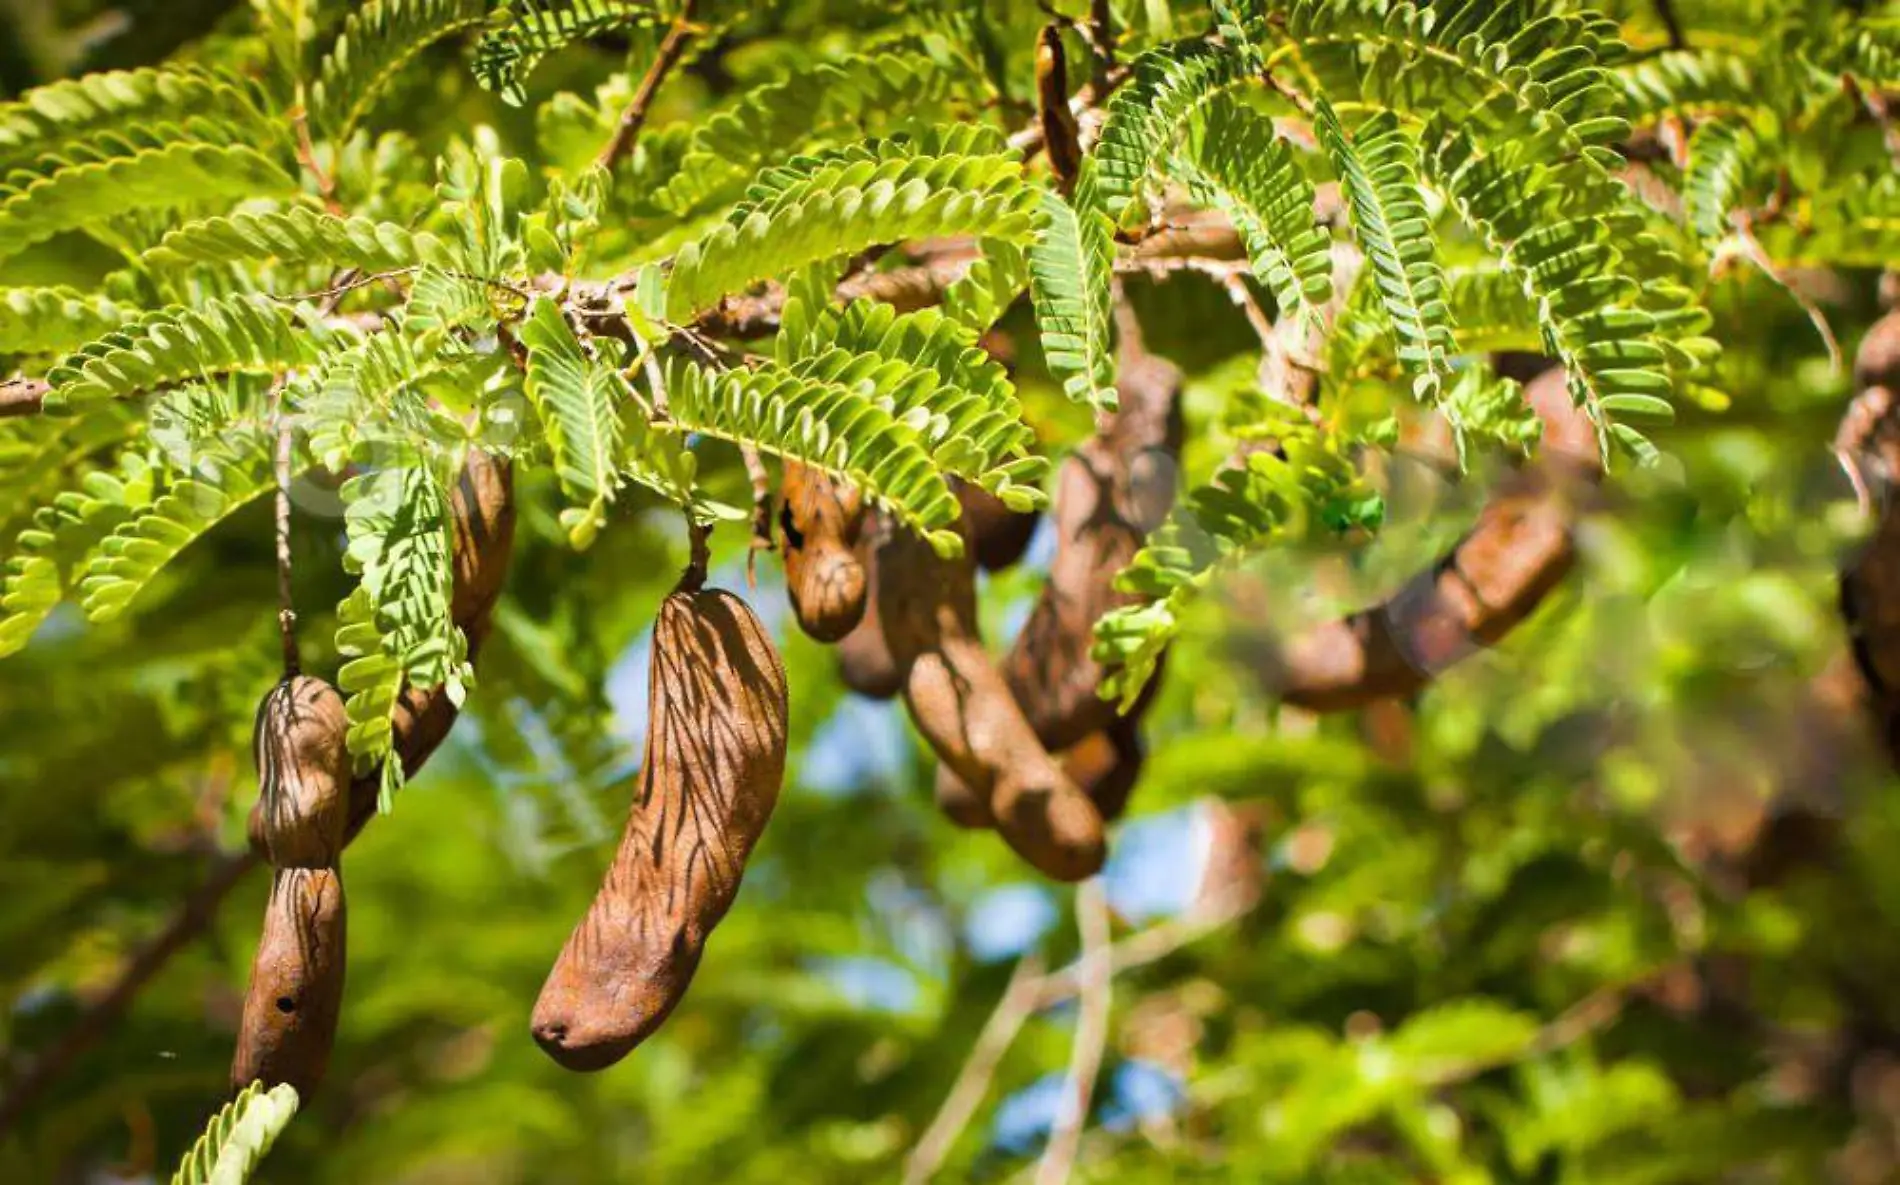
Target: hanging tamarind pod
[
  {"x": 296, "y": 992},
  {"x": 296, "y": 989},
  {"x": 865, "y": 664},
  {"x": 820, "y": 521},
  {"x": 1113, "y": 490},
  {"x": 482, "y": 527},
  {"x": 1521, "y": 548},
  {"x": 998, "y": 534},
  {"x": 303, "y": 774},
  {"x": 715, "y": 756},
  {"x": 1104, "y": 765},
  {"x": 962, "y": 706}
]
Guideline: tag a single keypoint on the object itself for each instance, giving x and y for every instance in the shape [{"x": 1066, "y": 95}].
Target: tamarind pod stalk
[
  {"x": 865, "y": 663},
  {"x": 1521, "y": 548},
  {"x": 999, "y": 535},
  {"x": 715, "y": 756},
  {"x": 963, "y": 707},
  {"x": 303, "y": 774},
  {"x": 296, "y": 990},
  {"x": 1113, "y": 490},
  {"x": 821, "y": 520}
]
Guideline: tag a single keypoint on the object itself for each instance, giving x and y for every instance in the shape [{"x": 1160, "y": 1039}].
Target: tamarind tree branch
[
  {"x": 483, "y": 522},
  {"x": 635, "y": 116},
  {"x": 1091, "y": 1036},
  {"x": 973, "y": 1080},
  {"x": 191, "y": 919}
]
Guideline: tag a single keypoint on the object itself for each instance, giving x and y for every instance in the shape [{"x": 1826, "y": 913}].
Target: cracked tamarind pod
[
  {"x": 1113, "y": 490},
  {"x": 296, "y": 989},
  {"x": 821, "y": 519},
  {"x": 865, "y": 664},
  {"x": 963, "y": 708},
  {"x": 715, "y": 756}
]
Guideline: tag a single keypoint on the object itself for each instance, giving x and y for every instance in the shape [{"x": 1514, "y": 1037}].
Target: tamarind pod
[
  {"x": 1521, "y": 548},
  {"x": 715, "y": 756},
  {"x": 999, "y": 535},
  {"x": 962, "y": 706},
  {"x": 959, "y": 804},
  {"x": 296, "y": 992},
  {"x": 821, "y": 520},
  {"x": 865, "y": 663},
  {"x": 303, "y": 774},
  {"x": 1113, "y": 490},
  {"x": 482, "y": 524}
]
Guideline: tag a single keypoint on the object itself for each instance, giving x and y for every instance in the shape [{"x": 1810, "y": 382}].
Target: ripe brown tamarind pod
[
  {"x": 715, "y": 755},
  {"x": 962, "y": 706},
  {"x": 821, "y": 519},
  {"x": 296, "y": 992},
  {"x": 1105, "y": 765},
  {"x": 1113, "y": 490},
  {"x": 296, "y": 989},
  {"x": 999, "y": 535},
  {"x": 303, "y": 774},
  {"x": 865, "y": 664}
]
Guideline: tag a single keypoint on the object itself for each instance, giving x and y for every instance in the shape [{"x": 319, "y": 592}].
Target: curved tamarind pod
[
  {"x": 715, "y": 755},
  {"x": 1112, "y": 491},
  {"x": 999, "y": 535},
  {"x": 865, "y": 664},
  {"x": 821, "y": 520},
  {"x": 962, "y": 706},
  {"x": 296, "y": 992},
  {"x": 1521, "y": 548},
  {"x": 303, "y": 774}
]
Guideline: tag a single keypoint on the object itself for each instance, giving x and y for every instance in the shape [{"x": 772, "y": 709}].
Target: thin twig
[
  {"x": 1091, "y": 1036},
  {"x": 307, "y": 157},
  {"x": 973, "y": 1081},
  {"x": 191, "y": 919},
  {"x": 635, "y": 116},
  {"x": 1149, "y": 946}
]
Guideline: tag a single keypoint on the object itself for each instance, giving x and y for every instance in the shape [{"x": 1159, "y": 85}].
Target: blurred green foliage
[{"x": 1616, "y": 902}]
